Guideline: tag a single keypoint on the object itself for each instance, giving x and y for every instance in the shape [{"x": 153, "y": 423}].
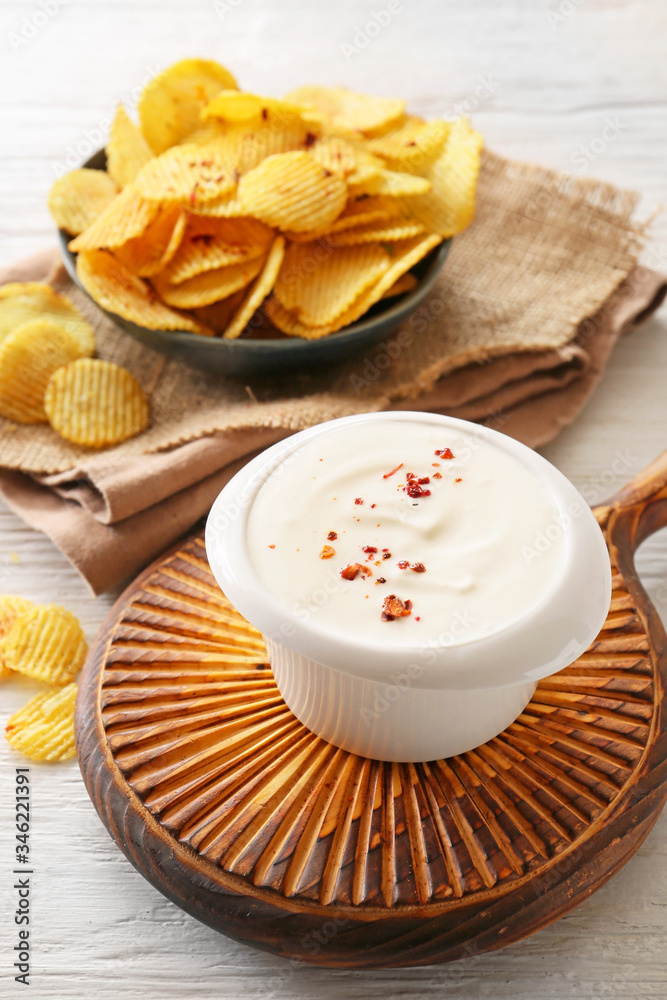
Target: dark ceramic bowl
[{"x": 243, "y": 357}]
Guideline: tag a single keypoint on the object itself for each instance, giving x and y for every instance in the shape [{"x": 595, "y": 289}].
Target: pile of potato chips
[
  {"x": 220, "y": 202},
  {"x": 47, "y": 372},
  {"x": 46, "y": 643}
]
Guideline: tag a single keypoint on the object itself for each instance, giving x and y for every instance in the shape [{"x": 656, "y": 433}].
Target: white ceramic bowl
[{"x": 402, "y": 703}]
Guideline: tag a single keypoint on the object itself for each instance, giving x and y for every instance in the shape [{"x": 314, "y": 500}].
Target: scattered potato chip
[
  {"x": 29, "y": 356},
  {"x": 80, "y": 197},
  {"x": 449, "y": 207},
  {"x": 405, "y": 255},
  {"x": 348, "y": 109},
  {"x": 95, "y": 403},
  {"x": 406, "y": 283},
  {"x": 227, "y": 207},
  {"x": 318, "y": 281},
  {"x": 187, "y": 175},
  {"x": 211, "y": 243},
  {"x": 44, "y": 728},
  {"x": 412, "y": 145},
  {"x": 22, "y": 301},
  {"x": 335, "y": 154},
  {"x": 258, "y": 291},
  {"x": 127, "y": 150},
  {"x": 11, "y": 606},
  {"x": 389, "y": 182},
  {"x": 377, "y": 233},
  {"x": 210, "y": 286},
  {"x": 127, "y": 216},
  {"x": 171, "y": 104},
  {"x": 239, "y": 106},
  {"x": 46, "y": 642},
  {"x": 293, "y": 191},
  {"x": 115, "y": 288},
  {"x": 149, "y": 253}
]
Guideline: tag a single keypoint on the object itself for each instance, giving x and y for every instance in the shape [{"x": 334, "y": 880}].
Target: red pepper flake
[
  {"x": 332, "y": 536},
  {"x": 388, "y": 474},
  {"x": 205, "y": 238},
  {"x": 310, "y": 139},
  {"x": 418, "y": 568},
  {"x": 370, "y": 551},
  {"x": 423, "y": 480},
  {"x": 265, "y": 114},
  {"x": 417, "y": 618},
  {"x": 445, "y": 453},
  {"x": 403, "y": 564},
  {"x": 373, "y": 505},
  {"x": 386, "y": 554},
  {"x": 358, "y": 500},
  {"x": 459, "y": 480},
  {"x": 272, "y": 546},
  {"x": 393, "y": 607},
  {"x": 413, "y": 489},
  {"x": 437, "y": 475},
  {"x": 436, "y": 465},
  {"x": 327, "y": 552},
  {"x": 380, "y": 579},
  {"x": 351, "y": 571}
]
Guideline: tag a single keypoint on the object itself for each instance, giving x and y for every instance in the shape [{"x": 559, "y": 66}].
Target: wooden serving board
[{"x": 231, "y": 808}]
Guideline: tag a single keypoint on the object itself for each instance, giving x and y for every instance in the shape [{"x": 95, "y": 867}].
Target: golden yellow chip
[
  {"x": 377, "y": 233},
  {"x": 404, "y": 256},
  {"x": 293, "y": 191},
  {"x": 239, "y": 106},
  {"x": 115, "y": 288},
  {"x": 149, "y": 253},
  {"x": 171, "y": 104},
  {"x": 127, "y": 150},
  {"x": 412, "y": 145},
  {"x": 95, "y": 403},
  {"x": 11, "y": 606},
  {"x": 335, "y": 154},
  {"x": 391, "y": 183},
  {"x": 46, "y": 642},
  {"x": 187, "y": 175},
  {"x": 127, "y": 216},
  {"x": 359, "y": 211},
  {"x": 29, "y": 356},
  {"x": 80, "y": 197},
  {"x": 22, "y": 301},
  {"x": 210, "y": 286},
  {"x": 259, "y": 290},
  {"x": 227, "y": 207},
  {"x": 449, "y": 207},
  {"x": 318, "y": 282},
  {"x": 349, "y": 110},
  {"x": 406, "y": 283},
  {"x": 44, "y": 728},
  {"x": 211, "y": 243}
]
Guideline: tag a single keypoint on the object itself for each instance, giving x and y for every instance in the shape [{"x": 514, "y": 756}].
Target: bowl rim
[{"x": 399, "y": 311}]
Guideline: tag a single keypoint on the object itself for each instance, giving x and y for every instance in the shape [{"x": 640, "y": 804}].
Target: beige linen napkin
[{"x": 516, "y": 334}]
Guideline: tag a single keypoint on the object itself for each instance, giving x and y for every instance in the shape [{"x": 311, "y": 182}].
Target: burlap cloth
[{"x": 532, "y": 298}]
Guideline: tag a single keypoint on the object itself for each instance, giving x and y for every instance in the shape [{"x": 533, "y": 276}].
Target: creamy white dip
[{"x": 458, "y": 557}]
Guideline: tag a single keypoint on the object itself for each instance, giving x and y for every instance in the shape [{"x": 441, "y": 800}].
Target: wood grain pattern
[{"x": 239, "y": 814}]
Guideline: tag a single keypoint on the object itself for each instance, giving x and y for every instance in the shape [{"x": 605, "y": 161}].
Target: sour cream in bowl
[{"x": 413, "y": 575}]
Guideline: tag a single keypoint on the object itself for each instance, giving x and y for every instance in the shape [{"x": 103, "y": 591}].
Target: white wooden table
[{"x": 543, "y": 80}]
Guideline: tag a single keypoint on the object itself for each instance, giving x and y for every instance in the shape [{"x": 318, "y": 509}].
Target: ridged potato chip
[
  {"x": 335, "y": 154},
  {"x": 377, "y": 233},
  {"x": 210, "y": 286},
  {"x": 259, "y": 290},
  {"x": 22, "y": 301},
  {"x": 187, "y": 175},
  {"x": 240, "y": 106},
  {"x": 115, "y": 288},
  {"x": 149, "y": 253},
  {"x": 391, "y": 183},
  {"x": 318, "y": 282},
  {"x": 44, "y": 728},
  {"x": 406, "y": 283},
  {"x": 449, "y": 207},
  {"x": 127, "y": 150},
  {"x": 359, "y": 211},
  {"x": 79, "y": 197},
  {"x": 11, "y": 606},
  {"x": 127, "y": 216},
  {"x": 412, "y": 145},
  {"x": 46, "y": 642},
  {"x": 293, "y": 191},
  {"x": 349, "y": 110},
  {"x": 405, "y": 255},
  {"x": 95, "y": 403},
  {"x": 211, "y": 243},
  {"x": 227, "y": 207},
  {"x": 29, "y": 356},
  {"x": 171, "y": 104}
]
